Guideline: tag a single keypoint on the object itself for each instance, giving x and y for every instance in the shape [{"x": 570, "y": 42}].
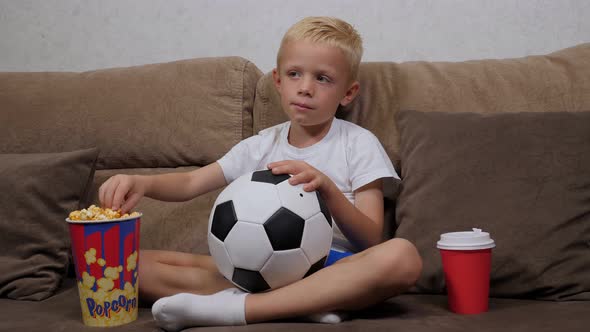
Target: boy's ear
[
  {"x": 276, "y": 78},
  {"x": 351, "y": 93}
]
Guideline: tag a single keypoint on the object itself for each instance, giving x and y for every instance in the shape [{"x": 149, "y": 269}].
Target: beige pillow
[
  {"x": 524, "y": 177},
  {"x": 38, "y": 192},
  {"x": 181, "y": 113}
]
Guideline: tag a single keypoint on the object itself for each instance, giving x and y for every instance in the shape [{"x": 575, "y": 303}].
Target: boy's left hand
[{"x": 301, "y": 172}]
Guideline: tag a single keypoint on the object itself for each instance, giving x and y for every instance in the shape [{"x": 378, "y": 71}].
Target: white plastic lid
[{"x": 471, "y": 240}]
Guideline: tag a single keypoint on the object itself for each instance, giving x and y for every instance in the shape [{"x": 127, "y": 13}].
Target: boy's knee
[
  {"x": 401, "y": 263},
  {"x": 410, "y": 261}
]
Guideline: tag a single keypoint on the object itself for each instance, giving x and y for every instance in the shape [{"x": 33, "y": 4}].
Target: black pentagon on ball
[
  {"x": 224, "y": 219},
  {"x": 267, "y": 177},
  {"x": 252, "y": 281},
  {"x": 284, "y": 229},
  {"x": 324, "y": 208},
  {"x": 316, "y": 267}
]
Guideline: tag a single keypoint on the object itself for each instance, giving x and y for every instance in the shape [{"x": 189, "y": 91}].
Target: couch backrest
[
  {"x": 155, "y": 118},
  {"x": 173, "y": 114},
  {"x": 550, "y": 83}
]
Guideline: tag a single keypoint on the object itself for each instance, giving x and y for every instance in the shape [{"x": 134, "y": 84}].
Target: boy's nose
[{"x": 306, "y": 87}]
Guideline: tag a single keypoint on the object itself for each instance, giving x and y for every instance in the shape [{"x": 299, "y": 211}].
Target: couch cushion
[
  {"x": 416, "y": 313},
  {"x": 524, "y": 177},
  {"x": 39, "y": 190},
  {"x": 186, "y": 112},
  {"x": 559, "y": 81}
]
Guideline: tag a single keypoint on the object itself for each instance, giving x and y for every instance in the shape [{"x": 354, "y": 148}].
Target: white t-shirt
[{"x": 349, "y": 155}]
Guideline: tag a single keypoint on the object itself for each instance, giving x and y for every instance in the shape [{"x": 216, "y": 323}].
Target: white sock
[
  {"x": 182, "y": 310},
  {"x": 329, "y": 317}
]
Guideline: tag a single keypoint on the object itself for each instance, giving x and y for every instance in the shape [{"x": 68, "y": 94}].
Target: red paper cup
[
  {"x": 467, "y": 260},
  {"x": 106, "y": 256}
]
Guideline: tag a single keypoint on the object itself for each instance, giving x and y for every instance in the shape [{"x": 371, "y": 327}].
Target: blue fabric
[{"x": 335, "y": 256}]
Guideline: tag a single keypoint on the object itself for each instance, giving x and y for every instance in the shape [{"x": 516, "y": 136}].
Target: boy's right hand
[{"x": 122, "y": 192}]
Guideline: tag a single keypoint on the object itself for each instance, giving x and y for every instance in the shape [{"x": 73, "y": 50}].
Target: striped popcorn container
[{"x": 106, "y": 257}]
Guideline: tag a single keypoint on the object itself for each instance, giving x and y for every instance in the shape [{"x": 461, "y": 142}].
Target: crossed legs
[{"x": 354, "y": 282}]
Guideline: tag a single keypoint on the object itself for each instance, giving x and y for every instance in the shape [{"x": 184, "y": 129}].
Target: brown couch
[{"x": 498, "y": 144}]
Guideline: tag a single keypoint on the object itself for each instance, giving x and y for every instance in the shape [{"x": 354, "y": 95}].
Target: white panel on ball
[
  {"x": 248, "y": 246},
  {"x": 285, "y": 267},
  {"x": 317, "y": 237},
  {"x": 222, "y": 260},
  {"x": 230, "y": 191},
  {"x": 305, "y": 204},
  {"x": 257, "y": 201}
]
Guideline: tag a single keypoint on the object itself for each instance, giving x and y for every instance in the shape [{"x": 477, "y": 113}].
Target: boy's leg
[
  {"x": 352, "y": 283},
  {"x": 165, "y": 273}
]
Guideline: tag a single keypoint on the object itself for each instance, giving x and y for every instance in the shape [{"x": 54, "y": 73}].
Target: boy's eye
[
  {"x": 293, "y": 74},
  {"x": 324, "y": 79}
]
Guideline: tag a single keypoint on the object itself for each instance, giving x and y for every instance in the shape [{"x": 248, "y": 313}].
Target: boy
[{"x": 317, "y": 66}]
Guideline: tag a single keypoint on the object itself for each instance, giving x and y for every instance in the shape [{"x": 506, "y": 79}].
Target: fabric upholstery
[
  {"x": 523, "y": 177},
  {"x": 416, "y": 313},
  {"x": 556, "y": 82},
  {"x": 181, "y": 113},
  {"x": 39, "y": 190}
]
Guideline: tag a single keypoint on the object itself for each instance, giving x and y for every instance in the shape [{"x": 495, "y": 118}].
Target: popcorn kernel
[{"x": 96, "y": 213}]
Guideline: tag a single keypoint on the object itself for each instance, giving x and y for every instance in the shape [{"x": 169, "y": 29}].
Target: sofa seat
[{"x": 407, "y": 312}]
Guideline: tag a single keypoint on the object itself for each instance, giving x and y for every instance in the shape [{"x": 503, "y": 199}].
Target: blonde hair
[{"x": 330, "y": 31}]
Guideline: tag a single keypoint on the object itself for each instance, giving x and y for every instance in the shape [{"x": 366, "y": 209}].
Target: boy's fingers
[
  {"x": 130, "y": 203},
  {"x": 282, "y": 163},
  {"x": 295, "y": 179},
  {"x": 101, "y": 193},
  {"x": 105, "y": 188},
  {"x": 302, "y": 177},
  {"x": 276, "y": 163},
  {"x": 311, "y": 186},
  {"x": 119, "y": 194},
  {"x": 280, "y": 169},
  {"x": 109, "y": 192}
]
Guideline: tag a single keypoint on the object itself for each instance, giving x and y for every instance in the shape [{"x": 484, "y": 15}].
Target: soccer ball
[{"x": 265, "y": 233}]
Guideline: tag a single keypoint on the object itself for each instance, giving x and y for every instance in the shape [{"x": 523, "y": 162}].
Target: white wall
[{"x": 76, "y": 35}]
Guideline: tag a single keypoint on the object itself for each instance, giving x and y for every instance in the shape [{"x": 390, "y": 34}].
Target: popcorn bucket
[{"x": 106, "y": 258}]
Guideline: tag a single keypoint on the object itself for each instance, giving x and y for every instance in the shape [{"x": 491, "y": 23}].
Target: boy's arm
[
  {"x": 361, "y": 223},
  {"x": 178, "y": 187},
  {"x": 124, "y": 191}
]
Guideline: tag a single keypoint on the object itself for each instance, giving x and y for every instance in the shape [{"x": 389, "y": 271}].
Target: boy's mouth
[{"x": 301, "y": 106}]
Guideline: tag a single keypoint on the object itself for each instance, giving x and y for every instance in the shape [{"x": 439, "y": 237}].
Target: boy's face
[{"x": 313, "y": 79}]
